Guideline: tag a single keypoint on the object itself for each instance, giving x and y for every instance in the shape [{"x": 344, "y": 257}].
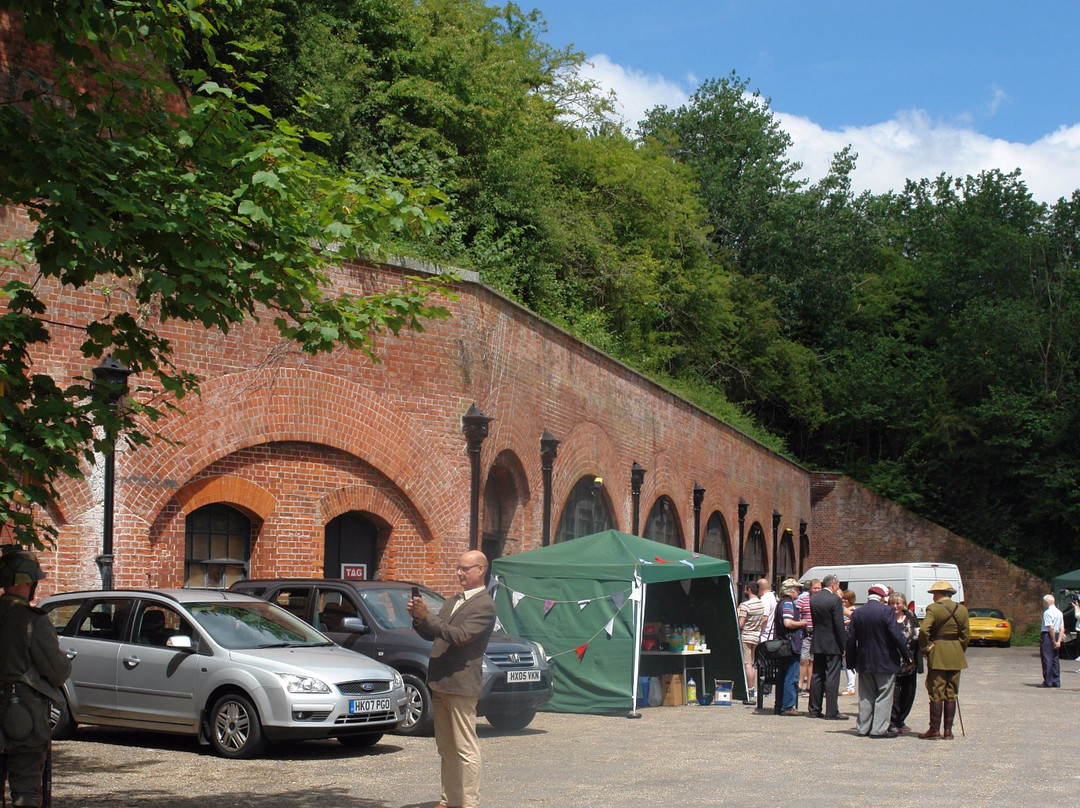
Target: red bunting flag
[
  {"x": 581, "y": 650},
  {"x": 660, "y": 561},
  {"x": 547, "y": 605}
]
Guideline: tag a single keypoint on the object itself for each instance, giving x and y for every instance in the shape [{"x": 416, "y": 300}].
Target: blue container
[{"x": 643, "y": 691}]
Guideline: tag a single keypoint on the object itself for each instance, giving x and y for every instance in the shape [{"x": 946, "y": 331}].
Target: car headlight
[
  {"x": 295, "y": 683},
  {"x": 543, "y": 653},
  {"x": 486, "y": 666},
  {"x": 398, "y": 681}
]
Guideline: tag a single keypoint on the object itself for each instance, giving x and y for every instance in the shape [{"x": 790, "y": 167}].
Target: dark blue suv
[{"x": 370, "y": 617}]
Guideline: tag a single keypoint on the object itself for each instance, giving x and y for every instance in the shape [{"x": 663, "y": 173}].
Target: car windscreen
[
  {"x": 992, "y": 613},
  {"x": 387, "y": 605},
  {"x": 253, "y": 625}
]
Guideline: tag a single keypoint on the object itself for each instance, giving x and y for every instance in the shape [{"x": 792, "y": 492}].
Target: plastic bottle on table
[{"x": 691, "y": 691}]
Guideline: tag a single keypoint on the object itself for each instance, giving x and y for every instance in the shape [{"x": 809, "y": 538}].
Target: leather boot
[
  {"x": 933, "y": 733},
  {"x": 950, "y": 714}
]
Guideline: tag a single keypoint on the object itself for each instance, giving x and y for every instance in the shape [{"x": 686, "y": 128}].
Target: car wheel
[
  {"x": 1005, "y": 643},
  {"x": 235, "y": 729},
  {"x": 360, "y": 741},
  {"x": 60, "y": 721},
  {"x": 418, "y": 720},
  {"x": 518, "y": 720}
]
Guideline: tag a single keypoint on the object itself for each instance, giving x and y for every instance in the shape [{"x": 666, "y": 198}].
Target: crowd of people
[{"x": 816, "y": 638}]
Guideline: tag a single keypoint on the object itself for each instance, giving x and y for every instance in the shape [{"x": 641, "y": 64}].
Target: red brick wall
[{"x": 852, "y": 525}]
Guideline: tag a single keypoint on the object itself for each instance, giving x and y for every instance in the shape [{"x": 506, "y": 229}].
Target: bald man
[{"x": 459, "y": 635}]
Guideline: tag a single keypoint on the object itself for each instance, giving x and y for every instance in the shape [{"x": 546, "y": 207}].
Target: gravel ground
[{"x": 1013, "y": 753}]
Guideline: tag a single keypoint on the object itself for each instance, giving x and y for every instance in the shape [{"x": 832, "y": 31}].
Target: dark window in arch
[
  {"x": 218, "y": 546},
  {"x": 501, "y": 504},
  {"x": 351, "y": 547},
  {"x": 785, "y": 558},
  {"x": 586, "y": 511},
  {"x": 753, "y": 561},
  {"x": 716, "y": 542},
  {"x": 662, "y": 524}
]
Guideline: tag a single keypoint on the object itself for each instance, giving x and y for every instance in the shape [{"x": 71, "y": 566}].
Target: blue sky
[{"x": 917, "y": 88}]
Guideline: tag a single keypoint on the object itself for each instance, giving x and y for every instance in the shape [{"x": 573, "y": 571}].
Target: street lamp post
[
  {"x": 637, "y": 478},
  {"x": 699, "y": 497},
  {"x": 475, "y": 426},
  {"x": 776, "y": 517},
  {"x": 549, "y": 450},
  {"x": 114, "y": 377}
]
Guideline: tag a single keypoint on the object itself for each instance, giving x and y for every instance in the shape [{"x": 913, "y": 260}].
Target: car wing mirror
[
  {"x": 354, "y": 625},
  {"x": 181, "y": 642}
]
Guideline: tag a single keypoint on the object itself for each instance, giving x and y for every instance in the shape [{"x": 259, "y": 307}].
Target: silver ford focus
[{"x": 234, "y": 670}]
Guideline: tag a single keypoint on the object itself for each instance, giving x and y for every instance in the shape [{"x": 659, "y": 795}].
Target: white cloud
[
  {"x": 637, "y": 92},
  {"x": 910, "y": 145}
]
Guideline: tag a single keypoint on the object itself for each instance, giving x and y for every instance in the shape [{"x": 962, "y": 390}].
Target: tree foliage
[{"x": 168, "y": 191}]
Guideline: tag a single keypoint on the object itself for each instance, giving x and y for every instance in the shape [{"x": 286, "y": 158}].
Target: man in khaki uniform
[{"x": 943, "y": 638}]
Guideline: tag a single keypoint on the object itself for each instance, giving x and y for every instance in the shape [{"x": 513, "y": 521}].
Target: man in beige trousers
[{"x": 459, "y": 635}]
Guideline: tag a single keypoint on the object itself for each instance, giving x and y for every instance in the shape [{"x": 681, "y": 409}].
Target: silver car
[{"x": 234, "y": 670}]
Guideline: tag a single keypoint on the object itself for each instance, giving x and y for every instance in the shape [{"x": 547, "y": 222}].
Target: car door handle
[
  {"x": 71, "y": 653},
  {"x": 131, "y": 661}
]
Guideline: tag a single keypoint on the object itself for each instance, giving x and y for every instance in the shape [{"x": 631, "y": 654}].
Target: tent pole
[{"x": 639, "y": 620}]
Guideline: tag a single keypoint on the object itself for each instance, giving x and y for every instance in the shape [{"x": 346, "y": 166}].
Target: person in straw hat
[{"x": 943, "y": 638}]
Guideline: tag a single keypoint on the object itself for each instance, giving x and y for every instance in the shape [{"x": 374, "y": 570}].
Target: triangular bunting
[
  {"x": 515, "y": 598},
  {"x": 660, "y": 560},
  {"x": 619, "y": 598},
  {"x": 548, "y": 604},
  {"x": 687, "y": 562},
  {"x": 581, "y": 650},
  {"x": 498, "y": 624},
  {"x": 582, "y": 604},
  {"x": 610, "y": 626}
]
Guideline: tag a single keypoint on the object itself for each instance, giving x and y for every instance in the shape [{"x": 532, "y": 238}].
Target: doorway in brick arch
[
  {"x": 352, "y": 547},
  {"x": 503, "y": 499},
  {"x": 753, "y": 564},
  {"x": 716, "y": 542},
  {"x": 663, "y": 523},
  {"x": 587, "y": 510}
]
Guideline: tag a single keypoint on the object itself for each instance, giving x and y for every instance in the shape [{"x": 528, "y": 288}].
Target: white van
[{"x": 913, "y": 579}]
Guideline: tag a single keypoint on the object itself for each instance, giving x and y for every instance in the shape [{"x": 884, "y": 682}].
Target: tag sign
[{"x": 354, "y": 572}]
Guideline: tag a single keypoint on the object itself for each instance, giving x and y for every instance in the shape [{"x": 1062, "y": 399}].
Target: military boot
[
  {"x": 933, "y": 733},
  {"x": 950, "y": 714}
]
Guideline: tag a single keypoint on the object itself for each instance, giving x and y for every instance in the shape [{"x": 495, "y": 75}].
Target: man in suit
[
  {"x": 876, "y": 648},
  {"x": 459, "y": 635},
  {"x": 827, "y": 646},
  {"x": 944, "y": 638}
]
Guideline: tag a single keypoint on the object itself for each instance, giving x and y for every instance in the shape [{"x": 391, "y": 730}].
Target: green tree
[{"x": 185, "y": 201}]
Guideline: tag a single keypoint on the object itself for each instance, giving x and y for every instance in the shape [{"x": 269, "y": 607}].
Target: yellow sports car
[{"x": 990, "y": 626}]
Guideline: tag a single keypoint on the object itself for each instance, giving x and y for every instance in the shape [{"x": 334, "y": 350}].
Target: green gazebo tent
[{"x": 585, "y": 600}]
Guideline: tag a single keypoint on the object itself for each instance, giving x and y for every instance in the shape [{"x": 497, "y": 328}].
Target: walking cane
[{"x": 961, "y": 717}]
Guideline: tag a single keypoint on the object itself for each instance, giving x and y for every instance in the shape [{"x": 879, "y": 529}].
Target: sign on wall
[{"x": 354, "y": 572}]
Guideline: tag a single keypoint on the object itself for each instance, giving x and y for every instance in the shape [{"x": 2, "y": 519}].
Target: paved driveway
[{"x": 1015, "y": 753}]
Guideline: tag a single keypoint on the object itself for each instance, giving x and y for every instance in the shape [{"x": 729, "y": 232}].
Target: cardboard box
[{"x": 674, "y": 690}]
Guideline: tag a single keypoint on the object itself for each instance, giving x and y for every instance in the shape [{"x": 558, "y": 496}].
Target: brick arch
[
  {"x": 367, "y": 499},
  {"x": 587, "y": 450},
  {"x": 255, "y": 407},
  {"x": 227, "y": 488}
]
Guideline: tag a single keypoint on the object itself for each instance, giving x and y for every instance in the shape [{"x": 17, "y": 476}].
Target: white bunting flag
[
  {"x": 619, "y": 598},
  {"x": 610, "y": 626},
  {"x": 515, "y": 598},
  {"x": 581, "y": 604},
  {"x": 687, "y": 562}
]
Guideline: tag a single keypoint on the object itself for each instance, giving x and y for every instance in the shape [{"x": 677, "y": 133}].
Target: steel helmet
[{"x": 19, "y": 566}]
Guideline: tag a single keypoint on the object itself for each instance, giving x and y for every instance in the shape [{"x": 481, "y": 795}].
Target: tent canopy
[
  {"x": 576, "y": 598},
  {"x": 1068, "y": 580},
  {"x": 612, "y": 556}
]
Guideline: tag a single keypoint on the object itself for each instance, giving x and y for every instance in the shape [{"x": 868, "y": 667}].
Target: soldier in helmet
[
  {"x": 944, "y": 638},
  {"x": 32, "y": 668}
]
